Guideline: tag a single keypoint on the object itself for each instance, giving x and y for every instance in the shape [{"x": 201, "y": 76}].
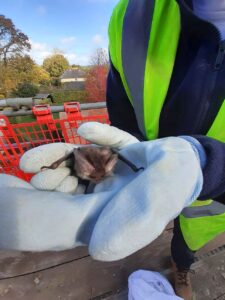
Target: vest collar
[{"x": 195, "y": 27}]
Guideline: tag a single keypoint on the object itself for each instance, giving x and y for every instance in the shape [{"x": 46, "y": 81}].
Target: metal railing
[{"x": 54, "y": 109}]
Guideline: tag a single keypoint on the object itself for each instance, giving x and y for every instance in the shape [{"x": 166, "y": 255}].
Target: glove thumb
[{"x": 106, "y": 135}]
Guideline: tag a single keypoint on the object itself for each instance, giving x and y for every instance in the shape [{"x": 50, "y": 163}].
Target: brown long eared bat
[{"x": 93, "y": 163}]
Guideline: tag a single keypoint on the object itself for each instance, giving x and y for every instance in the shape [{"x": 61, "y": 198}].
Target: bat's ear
[
  {"x": 82, "y": 164},
  {"x": 111, "y": 163}
]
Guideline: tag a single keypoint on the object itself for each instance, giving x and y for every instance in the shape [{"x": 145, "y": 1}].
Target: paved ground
[
  {"x": 73, "y": 275},
  {"x": 209, "y": 279}
]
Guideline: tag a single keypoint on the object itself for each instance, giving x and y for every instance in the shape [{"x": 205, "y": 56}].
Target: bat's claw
[{"x": 141, "y": 168}]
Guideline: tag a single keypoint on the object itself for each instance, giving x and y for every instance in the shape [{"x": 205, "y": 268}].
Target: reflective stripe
[
  {"x": 161, "y": 23},
  {"x": 198, "y": 231},
  {"x": 162, "y": 50},
  {"x": 115, "y": 40},
  {"x": 136, "y": 31},
  {"x": 201, "y": 203},
  {"x": 217, "y": 130},
  {"x": 213, "y": 209}
]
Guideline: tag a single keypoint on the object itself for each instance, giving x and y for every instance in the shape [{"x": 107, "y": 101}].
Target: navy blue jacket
[{"x": 195, "y": 95}]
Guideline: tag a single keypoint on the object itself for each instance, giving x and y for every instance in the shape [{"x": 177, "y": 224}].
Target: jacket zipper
[
  {"x": 206, "y": 121},
  {"x": 220, "y": 55}
]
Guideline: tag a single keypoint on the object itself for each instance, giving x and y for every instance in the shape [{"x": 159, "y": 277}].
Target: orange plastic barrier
[{"x": 15, "y": 139}]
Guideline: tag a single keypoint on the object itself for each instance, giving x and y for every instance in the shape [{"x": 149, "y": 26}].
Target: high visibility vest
[{"x": 203, "y": 220}]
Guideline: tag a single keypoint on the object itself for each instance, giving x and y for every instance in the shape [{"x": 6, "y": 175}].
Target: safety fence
[{"x": 15, "y": 139}]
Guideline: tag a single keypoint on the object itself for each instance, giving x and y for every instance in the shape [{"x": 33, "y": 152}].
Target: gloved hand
[
  {"x": 60, "y": 179},
  {"x": 124, "y": 213}
]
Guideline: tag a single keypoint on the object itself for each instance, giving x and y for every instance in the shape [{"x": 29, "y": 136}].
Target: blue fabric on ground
[{"x": 148, "y": 285}]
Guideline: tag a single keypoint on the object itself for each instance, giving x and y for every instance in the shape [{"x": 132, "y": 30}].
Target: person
[{"x": 167, "y": 78}]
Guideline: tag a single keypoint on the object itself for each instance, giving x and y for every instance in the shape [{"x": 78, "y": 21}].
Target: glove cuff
[{"x": 198, "y": 149}]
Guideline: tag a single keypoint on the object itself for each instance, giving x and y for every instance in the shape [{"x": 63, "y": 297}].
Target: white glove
[
  {"x": 146, "y": 202},
  {"x": 59, "y": 179},
  {"x": 105, "y": 135},
  {"x": 124, "y": 213}
]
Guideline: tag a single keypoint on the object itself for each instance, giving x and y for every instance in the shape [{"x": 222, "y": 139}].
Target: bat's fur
[
  {"x": 93, "y": 163},
  {"x": 90, "y": 162}
]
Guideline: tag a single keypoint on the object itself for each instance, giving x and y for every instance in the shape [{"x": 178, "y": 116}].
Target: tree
[
  {"x": 55, "y": 65},
  {"x": 6, "y": 80},
  {"x": 95, "y": 84},
  {"x": 12, "y": 40},
  {"x": 20, "y": 69},
  {"x": 100, "y": 58},
  {"x": 26, "y": 70},
  {"x": 74, "y": 66},
  {"x": 26, "y": 89},
  {"x": 40, "y": 76}
]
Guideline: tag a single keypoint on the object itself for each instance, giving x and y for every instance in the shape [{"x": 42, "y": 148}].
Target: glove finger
[
  {"x": 33, "y": 160},
  {"x": 49, "y": 180},
  {"x": 14, "y": 182},
  {"x": 68, "y": 185},
  {"x": 103, "y": 134}
]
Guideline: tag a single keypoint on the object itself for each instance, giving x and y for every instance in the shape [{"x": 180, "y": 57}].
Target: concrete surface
[{"x": 73, "y": 275}]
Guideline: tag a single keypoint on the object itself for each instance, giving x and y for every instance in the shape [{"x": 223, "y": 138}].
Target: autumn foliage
[
  {"x": 95, "y": 85},
  {"x": 12, "y": 40}
]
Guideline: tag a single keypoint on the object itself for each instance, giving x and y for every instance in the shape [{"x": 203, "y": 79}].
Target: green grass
[{"x": 27, "y": 119}]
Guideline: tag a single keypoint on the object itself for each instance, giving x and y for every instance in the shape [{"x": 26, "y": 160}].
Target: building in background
[{"x": 73, "y": 79}]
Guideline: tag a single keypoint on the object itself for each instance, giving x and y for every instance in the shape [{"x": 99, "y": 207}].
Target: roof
[{"x": 73, "y": 73}]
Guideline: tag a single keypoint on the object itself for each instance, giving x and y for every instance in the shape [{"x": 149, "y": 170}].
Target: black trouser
[{"x": 181, "y": 254}]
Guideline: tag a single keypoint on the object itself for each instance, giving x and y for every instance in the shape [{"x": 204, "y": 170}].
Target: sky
[{"x": 75, "y": 27}]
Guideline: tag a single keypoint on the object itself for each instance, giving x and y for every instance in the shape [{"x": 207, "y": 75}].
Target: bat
[{"x": 93, "y": 163}]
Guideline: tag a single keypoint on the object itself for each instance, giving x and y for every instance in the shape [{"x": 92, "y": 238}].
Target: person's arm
[
  {"x": 121, "y": 112},
  {"x": 213, "y": 170},
  {"x": 122, "y": 115}
]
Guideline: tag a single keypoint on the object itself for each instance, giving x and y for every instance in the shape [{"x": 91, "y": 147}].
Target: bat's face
[{"x": 94, "y": 163}]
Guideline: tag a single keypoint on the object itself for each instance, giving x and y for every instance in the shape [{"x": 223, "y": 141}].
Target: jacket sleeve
[
  {"x": 120, "y": 110},
  {"x": 121, "y": 115},
  {"x": 213, "y": 170}
]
